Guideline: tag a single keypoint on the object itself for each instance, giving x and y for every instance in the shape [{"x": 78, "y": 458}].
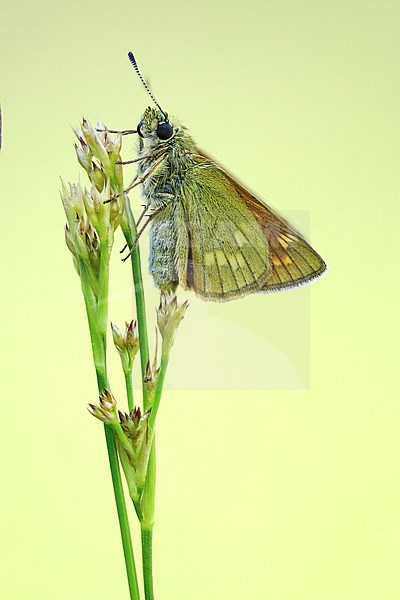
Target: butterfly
[{"x": 208, "y": 233}]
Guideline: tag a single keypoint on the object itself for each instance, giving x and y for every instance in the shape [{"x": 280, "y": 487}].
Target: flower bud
[
  {"x": 93, "y": 246},
  {"x": 150, "y": 380},
  {"x": 114, "y": 148},
  {"x": 79, "y": 232},
  {"x": 69, "y": 240},
  {"x": 169, "y": 316},
  {"x": 117, "y": 209},
  {"x": 135, "y": 427},
  {"x": 126, "y": 343},
  {"x": 106, "y": 410},
  {"x": 84, "y": 155},
  {"x": 132, "y": 337},
  {"x": 97, "y": 177},
  {"x": 96, "y": 142},
  {"x": 134, "y": 424},
  {"x": 72, "y": 199}
]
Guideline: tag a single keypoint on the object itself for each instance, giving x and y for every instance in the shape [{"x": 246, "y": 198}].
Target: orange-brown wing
[{"x": 293, "y": 261}]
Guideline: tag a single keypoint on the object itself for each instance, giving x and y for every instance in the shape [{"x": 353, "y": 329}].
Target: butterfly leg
[
  {"x": 135, "y": 160},
  {"x": 145, "y": 208},
  {"x": 140, "y": 180},
  {"x": 139, "y": 233},
  {"x": 121, "y": 132},
  {"x": 142, "y": 214}
]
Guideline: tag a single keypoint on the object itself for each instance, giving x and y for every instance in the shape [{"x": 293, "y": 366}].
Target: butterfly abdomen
[{"x": 161, "y": 191}]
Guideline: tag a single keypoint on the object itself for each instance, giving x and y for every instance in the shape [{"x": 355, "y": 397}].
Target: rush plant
[{"x": 93, "y": 215}]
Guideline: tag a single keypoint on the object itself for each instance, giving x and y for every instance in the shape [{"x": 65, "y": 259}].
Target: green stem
[
  {"x": 104, "y": 277},
  {"x": 98, "y": 349},
  {"x": 122, "y": 514},
  {"x": 129, "y": 390},
  {"x": 159, "y": 389},
  {"x": 146, "y": 512},
  {"x": 148, "y": 500},
  {"x": 148, "y": 497},
  {"x": 91, "y": 308},
  {"x": 129, "y": 230},
  {"x": 147, "y": 553}
]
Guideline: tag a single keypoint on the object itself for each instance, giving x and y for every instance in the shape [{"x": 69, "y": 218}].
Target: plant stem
[
  {"x": 148, "y": 499},
  {"x": 98, "y": 349},
  {"x": 147, "y": 553},
  {"x": 91, "y": 307},
  {"x": 129, "y": 390},
  {"x": 159, "y": 389},
  {"x": 129, "y": 230},
  {"x": 122, "y": 514},
  {"x": 102, "y": 302}
]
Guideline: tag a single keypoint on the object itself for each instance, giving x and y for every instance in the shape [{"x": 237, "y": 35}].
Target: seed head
[
  {"x": 83, "y": 154},
  {"x": 96, "y": 143},
  {"x": 150, "y": 379},
  {"x": 72, "y": 199},
  {"x": 169, "y": 316},
  {"x": 134, "y": 424},
  {"x": 106, "y": 410},
  {"x": 127, "y": 343}
]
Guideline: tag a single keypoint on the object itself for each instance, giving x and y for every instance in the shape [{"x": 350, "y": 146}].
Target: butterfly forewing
[
  {"x": 226, "y": 254},
  {"x": 235, "y": 244},
  {"x": 293, "y": 261}
]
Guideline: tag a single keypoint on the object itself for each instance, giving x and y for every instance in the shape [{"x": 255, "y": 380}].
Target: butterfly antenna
[{"x": 135, "y": 66}]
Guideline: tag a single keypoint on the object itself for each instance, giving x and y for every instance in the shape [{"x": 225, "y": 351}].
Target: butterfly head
[{"x": 155, "y": 125}]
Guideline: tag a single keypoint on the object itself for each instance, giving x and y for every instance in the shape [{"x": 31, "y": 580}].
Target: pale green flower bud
[
  {"x": 169, "y": 316},
  {"x": 69, "y": 241},
  {"x": 97, "y": 177},
  {"x": 117, "y": 210},
  {"x": 126, "y": 343},
  {"x": 119, "y": 176},
  {"x": 72, "y": 199},
  {"x": 132, "y": 337},
  {"x": 135, "y": 427},
  {"x": 103, "y": 215},
  {"x": 114, "y": 148},
  {"x": 93, "y": 246},
  {"x": 84, "y": 155},
  {"x": 106, "y": 410},
  {"x": 79, "y": 233},
  {"x": 150, "y": 380},
  {"x": 96, "y": 142},
  {"x": 96, "y": 211}
]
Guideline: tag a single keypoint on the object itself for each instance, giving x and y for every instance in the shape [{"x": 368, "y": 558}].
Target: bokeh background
[{"x": 278, "y": 439}]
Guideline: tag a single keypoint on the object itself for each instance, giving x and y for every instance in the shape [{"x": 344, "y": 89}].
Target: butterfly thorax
[{"x": 167, "y": 163}]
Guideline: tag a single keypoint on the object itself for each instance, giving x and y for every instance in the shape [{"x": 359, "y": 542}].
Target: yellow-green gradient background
[{"x": 286, "y": 493}]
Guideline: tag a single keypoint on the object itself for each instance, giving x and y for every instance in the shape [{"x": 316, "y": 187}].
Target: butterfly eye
[{"x": 165, "y": 131}]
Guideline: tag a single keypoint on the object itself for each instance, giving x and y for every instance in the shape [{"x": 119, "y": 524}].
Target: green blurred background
[{"x": 278, "y": 437}]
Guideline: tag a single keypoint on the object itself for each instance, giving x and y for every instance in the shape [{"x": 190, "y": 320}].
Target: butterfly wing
[
  {"x": 293, "y": 261},
  {"x": 222, "y": 253},
  {"x": 235, "y": 243}
]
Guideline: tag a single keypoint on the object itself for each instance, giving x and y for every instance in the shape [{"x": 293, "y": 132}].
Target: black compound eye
[{"x": 165, "y": 131}]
